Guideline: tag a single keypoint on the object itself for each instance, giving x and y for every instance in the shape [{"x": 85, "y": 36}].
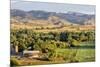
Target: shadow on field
[{"x": 84, "y": 47}]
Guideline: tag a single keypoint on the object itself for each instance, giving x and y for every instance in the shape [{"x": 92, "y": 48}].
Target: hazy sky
[{"x": 52, "y": 7}]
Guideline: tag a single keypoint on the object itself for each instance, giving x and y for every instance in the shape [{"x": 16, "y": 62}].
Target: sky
[{"x": 52, "y": 7}]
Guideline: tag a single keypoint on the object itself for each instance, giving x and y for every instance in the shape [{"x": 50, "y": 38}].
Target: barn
[{"x": 31, "y": 54}]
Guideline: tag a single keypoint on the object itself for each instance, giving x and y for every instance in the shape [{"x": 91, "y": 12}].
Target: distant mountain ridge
[{"x": 74, "y": 17}]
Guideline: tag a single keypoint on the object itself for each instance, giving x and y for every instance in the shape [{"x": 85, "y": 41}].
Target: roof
[{"x": 31, "y": 52}]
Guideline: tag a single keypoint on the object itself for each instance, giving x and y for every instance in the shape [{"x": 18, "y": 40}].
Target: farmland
[
  {"x": 40, "y": 37},
  {"x": 60, "y": 42},
  {"x": 82, "y": 55},
  {"x": 55, "y": 47}
]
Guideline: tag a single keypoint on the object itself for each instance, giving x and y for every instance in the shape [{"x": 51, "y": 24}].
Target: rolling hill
[
  {"x": 74, "y": 17},
  {"x": 51, "y": 21}
]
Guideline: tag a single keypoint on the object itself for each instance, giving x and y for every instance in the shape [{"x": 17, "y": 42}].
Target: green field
[
  {"x": 85, "y": 52},
  {"x": 83, "y": 55}
]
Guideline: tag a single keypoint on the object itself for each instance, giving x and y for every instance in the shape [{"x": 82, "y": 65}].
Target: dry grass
[{"x": 46, "y": 26}]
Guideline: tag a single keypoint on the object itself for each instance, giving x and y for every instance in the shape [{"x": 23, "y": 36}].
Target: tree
[
  {"x": 74, "y": 43},
  {"x": 69, "y": 37},
  {"x": 82, "y": 37},
  {"x": 63, "y": 37}
]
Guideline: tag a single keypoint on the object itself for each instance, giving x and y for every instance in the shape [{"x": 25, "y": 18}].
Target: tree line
[{"x": 41, "y": 41}]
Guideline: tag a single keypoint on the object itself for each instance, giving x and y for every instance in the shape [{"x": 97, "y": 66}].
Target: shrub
[
  {"x": 62, "y": 55},
  {"x": 14, "y": 62},
  {"x": 74, "y": 43},
  {"x": 62, "y": 45},
  {"x": 70, "y": 55}
]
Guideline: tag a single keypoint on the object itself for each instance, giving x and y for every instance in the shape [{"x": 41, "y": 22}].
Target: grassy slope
[{"x": 46, "y": 26}]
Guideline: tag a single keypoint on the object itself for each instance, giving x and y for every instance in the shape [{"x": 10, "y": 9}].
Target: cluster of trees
[{"x": 48, "y": 42}]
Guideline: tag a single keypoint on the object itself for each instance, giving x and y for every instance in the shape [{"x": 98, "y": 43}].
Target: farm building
[
  {"x": 31, "y": 54},
  {"x": 13, "y": 50}
]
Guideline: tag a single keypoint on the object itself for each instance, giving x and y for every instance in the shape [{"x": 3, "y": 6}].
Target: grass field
[
  {"x": 40, "y": 27},
  {"x": 83, "y": 55},
  {"x": 85, "y": 52},
  {"x": 86, "y": 55}
]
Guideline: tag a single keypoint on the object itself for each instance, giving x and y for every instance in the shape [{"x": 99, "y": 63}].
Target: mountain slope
[{"x": 73, "y": 17}]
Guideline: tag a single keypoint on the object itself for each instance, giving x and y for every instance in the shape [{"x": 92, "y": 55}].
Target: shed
[{"x": 31, "y": 54}]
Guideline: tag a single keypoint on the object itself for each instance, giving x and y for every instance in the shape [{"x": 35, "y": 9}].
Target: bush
[
  {"x": 62, "y": 55},
  {"x": 74, "y": 43},
  {"x": 62, "y": 45},
  {"x": 70, "y": 55},
  {"x": 14, "y": 62}
]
